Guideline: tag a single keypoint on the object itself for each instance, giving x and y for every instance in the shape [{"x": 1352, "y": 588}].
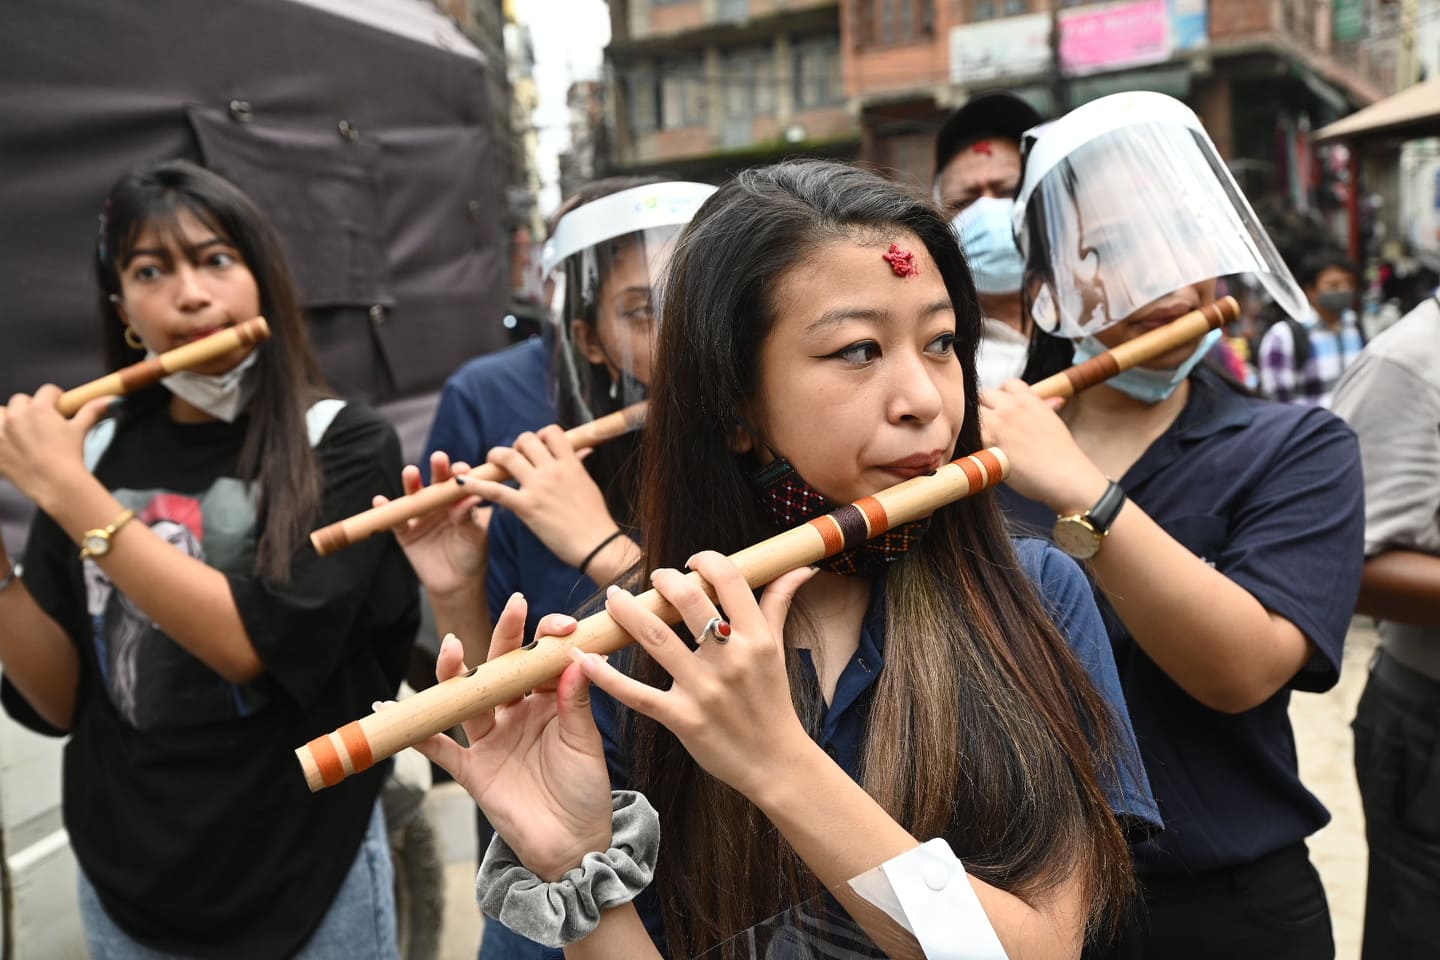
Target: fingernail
[
  {"x": 375, "y": 707},
  {"x": 611, "y": 590},
  {"x": 691, "y": 561},
  {"x": 564, "y": 620}
]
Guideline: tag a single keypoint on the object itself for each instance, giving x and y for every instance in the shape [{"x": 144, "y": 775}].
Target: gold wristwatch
[
  {"x": 1081, "y": 534},
  {"x": 96, "y": 543}
]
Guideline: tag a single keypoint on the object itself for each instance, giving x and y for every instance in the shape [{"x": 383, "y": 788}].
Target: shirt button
[{"x": 936, "y": 876}]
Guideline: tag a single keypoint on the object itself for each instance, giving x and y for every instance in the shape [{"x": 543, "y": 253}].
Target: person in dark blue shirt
[
  {"x": 1223, "y": 533},
  {"x": 556, "y": 533},
  {"x": 921, "y": 688}
]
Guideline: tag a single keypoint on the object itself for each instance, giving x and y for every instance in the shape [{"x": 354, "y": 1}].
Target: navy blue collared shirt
[
  {"x": 1270, "y": 495},
  {"x": 1065, "y": 591},
  {"x": 487, "y": 403}
]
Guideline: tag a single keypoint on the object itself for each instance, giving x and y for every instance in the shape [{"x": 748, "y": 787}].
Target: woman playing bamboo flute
[
  {"x": 174, "y": 621},
  {"x": 1232, "y": 559},
  {"x": 557, "y": 531},
  {"x": 819, "y": 323}
]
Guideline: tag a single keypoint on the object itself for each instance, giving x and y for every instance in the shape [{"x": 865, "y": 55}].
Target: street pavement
[
  {"x": 1322, "y": 735},
  {"x": 1325, "y": 746}
]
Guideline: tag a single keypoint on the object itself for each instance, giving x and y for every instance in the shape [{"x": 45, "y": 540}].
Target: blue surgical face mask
[
  {"x": 987, "y": 237},
  {"x": 1142, "y": 383}
]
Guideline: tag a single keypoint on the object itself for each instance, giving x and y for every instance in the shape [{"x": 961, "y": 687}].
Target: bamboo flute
[
  {"x": 362, "y": 743},
  {"x": 1067, "y": 383},
  {"x": 343, "y": 533},
  {"x": 1156, "y": 343},
  {"x": 137, "y": 376}
]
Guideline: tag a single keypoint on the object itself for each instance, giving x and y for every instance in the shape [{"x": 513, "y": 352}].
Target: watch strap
[{"x": 1107, "y": 508}]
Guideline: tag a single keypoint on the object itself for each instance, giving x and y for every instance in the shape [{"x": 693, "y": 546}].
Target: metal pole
[{"x": 1353, "y": 201}]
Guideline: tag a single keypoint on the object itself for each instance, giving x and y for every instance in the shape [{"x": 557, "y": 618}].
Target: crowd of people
[{"x": 1049, "y": 720}]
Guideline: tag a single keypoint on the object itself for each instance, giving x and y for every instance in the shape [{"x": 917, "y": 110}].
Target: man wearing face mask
[
  {"x": 1301, "y": 361},
  {"x": 977, "y": 170}
]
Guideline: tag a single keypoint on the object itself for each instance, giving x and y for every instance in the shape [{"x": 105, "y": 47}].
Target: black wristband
[
  {"x": 1107, "y": 508},
  {"x": 598, "y": 547}
]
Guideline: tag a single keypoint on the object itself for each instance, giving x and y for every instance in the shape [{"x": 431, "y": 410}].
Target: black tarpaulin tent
[{"x": 360, "y": 126}]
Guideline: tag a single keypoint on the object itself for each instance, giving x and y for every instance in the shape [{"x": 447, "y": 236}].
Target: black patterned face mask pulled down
[{"x": 788, "y": 500}]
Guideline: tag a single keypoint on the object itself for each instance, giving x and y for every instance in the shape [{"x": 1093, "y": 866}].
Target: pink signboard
[{"x": 1109, "y": 36}]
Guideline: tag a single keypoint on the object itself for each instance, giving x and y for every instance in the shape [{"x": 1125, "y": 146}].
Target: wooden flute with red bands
[
  {"x": 1156, "y": 343},
  {"x": 137, "y": 376},
  {"x": 361, "y": 744},
  {"x": 1067, "y": 383},
  {"x": 343, "y": 533}
]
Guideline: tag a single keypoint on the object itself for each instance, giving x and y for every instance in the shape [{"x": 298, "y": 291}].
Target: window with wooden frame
[{"x": 889, "y": 23}]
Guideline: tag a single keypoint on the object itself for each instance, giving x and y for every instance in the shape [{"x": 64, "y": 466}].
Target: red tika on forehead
[
  {"x": 982, "y": 147},
  {"x": 901, "y": 261}
]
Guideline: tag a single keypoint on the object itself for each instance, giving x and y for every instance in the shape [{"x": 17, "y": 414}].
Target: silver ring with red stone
[{"x": 718, "y": 628}]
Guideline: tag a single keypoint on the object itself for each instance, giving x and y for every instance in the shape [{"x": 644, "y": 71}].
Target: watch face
[
  {"x": 1076, "y": 537},
  {"x": 96, "y": 545}
]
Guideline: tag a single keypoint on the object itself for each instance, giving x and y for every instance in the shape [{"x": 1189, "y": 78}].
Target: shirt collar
[
  {"x": 1310, "y": 320},
  {"x": 1213, "y": 407}
]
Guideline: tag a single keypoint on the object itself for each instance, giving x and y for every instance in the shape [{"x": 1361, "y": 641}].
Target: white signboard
[{"x": 996, "y": 49}]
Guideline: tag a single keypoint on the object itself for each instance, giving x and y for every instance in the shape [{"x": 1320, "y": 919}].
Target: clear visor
[
  {"x": 604, "y": 310},
  {"x": 1135, "y": 214},
  {"x": 917, "y": 906}
]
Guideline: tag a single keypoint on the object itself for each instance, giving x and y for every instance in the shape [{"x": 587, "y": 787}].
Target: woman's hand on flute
[
  {"x": 1046, "y": 464},
  {"x": 729, "y": 704},
  {"x": 555, "y": 496},
  {"x": 448, "y": 548},
  {"x": 41, "y": 451},
  {"x": 536, "y": 766}
]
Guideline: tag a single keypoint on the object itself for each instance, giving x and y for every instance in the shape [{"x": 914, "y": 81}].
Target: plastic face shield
[
  {"x": 603, "y": 266},
  {"x": 1125, "y": 200}
]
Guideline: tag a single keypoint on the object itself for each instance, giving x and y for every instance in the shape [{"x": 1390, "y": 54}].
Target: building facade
[
  {"x": 699, "y": 88},
  {"x": 1260, "y": 73}
]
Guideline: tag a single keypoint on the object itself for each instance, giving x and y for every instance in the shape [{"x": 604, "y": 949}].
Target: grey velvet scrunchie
[{"x": 561, "y": 913}]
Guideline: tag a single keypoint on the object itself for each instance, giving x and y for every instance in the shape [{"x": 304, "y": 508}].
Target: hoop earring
[{"x": 132, "y": 339}]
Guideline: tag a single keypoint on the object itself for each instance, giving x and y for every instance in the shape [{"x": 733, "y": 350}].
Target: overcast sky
[{"x": 569, "y": 37}]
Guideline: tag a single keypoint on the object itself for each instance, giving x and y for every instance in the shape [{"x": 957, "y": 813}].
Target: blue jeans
[
  {"x": 1397, "y": 763},
  {"x": 360, "y": 924}
]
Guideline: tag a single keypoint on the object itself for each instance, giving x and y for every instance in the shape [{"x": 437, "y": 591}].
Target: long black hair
[
  {"x": 983, "y": 728},
  {"x": 276, "y": 453}
]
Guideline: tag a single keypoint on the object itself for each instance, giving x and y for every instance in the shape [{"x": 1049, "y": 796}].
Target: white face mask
[
  {"x": 224, "y": 396},
  {"x": 1003, "y": 352}
]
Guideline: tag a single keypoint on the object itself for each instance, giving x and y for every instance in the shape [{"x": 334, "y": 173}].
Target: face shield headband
[{"x": 603, "y": 265}]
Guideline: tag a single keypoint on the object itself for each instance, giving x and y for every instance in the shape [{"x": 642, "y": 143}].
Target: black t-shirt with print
[{"x": 184, "y": 801}]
